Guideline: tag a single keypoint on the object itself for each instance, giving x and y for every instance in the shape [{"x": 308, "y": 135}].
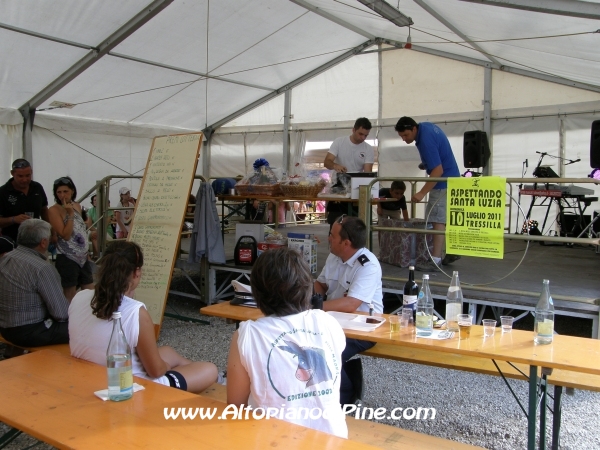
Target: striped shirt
[{"x": 30, "y": 290}]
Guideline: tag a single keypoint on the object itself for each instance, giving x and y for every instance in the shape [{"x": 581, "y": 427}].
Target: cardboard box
[
  {"x": 359, "y": 181},
  {"x": 256, "y": 230},
  {"x": 308, "y": 249}
]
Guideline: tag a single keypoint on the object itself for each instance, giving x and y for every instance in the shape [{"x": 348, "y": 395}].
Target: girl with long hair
[{"x": 90, "y": 324}]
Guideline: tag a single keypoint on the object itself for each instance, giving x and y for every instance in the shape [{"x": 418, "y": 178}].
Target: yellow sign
[{"x": 475, "y": 217}]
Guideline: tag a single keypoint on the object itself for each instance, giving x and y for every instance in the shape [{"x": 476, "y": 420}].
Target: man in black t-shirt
[
  {"x": 392, "y": 210},
  {"x": 21, "y": 198}
]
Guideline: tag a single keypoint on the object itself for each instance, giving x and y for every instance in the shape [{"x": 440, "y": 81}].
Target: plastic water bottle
[
  {"x": 411, "y": 291},
  {"x": 118, "y": 363},
  {"x": 424, "y": 318},
  {"x": 544, "y": 317},
  {"x": 454, "y": 303}
]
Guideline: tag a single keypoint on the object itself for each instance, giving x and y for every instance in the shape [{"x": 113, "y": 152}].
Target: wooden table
[
  {"x": 50, "y": 396},
  {"x": 566, "y": 352}
]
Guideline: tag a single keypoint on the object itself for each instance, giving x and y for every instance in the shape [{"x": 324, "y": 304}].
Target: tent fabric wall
[
  {"x": 10, "y": 148},
  {"x": 227, "y": 155},
  {"x": 88, "y": 158},
  {"x": 417, "y": 84},
  {"x": 515, "y": 91},
  {"x": 344, "y": 92},
  {"x": 264, "y": 145}
]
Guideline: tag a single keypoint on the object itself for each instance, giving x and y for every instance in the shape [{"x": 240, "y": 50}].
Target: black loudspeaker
[
  {"x": 595, "y": 145},
  {"x": 476, "y": 150}
]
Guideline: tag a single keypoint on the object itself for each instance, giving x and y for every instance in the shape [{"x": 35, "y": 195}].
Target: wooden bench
[
  {"x": 373, "y": 433},
  {"x": 61, "y": 348},
  {"x": 558, "y": 378},
  {"x": 485, "y": 366}
]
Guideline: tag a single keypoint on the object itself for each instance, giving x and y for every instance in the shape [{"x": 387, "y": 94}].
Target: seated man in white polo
[{"x": 351, "y": 281}]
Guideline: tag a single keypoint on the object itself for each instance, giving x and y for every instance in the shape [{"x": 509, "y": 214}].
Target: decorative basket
[
  {"x": 249, "y": 190},
  {"x": 296, "y": 190}
]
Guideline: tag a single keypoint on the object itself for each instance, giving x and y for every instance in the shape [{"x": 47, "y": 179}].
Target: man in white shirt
[
  {"x": 351, "y": 281},
  {"x": 349, "y": 154}
]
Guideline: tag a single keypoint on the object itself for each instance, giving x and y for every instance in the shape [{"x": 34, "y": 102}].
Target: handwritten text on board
[{"x": 160, "y": 212}]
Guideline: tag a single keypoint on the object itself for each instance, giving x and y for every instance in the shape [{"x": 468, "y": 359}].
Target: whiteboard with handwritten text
[{"x": 159, "y": 215}]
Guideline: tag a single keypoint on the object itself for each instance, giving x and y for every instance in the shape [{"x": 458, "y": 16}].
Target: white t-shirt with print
[
  {"x": 294, "y": 365},
  {"x": 350, "y": 155}
]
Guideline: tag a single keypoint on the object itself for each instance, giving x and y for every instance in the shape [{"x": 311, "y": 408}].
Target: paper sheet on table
[
  {"x": 103, "y": 393},
  {"x": 439, "y": 335},
  {"x": 240, "y": 287}
]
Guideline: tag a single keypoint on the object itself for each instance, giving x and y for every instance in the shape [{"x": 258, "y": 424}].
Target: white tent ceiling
[{"x": 155, "y": 76}]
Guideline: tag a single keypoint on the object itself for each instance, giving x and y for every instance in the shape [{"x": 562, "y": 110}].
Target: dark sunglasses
[
  {"x": 21, "y": 164},
  {"x": 404, "y": 127},
  {"x": 343, "y": 231},
  {"x": 63, "y": 181}
]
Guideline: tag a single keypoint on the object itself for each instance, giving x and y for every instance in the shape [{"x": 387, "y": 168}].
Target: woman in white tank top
[
  {"x": 90, "y": 326},
  {"x": 287, "y": 363}
]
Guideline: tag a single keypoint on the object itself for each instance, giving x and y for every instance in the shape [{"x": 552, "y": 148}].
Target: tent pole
[
  {"x": 380, "y": 87},
  {"x": 206, "y": 151},
  {"x": 26, "y": 144},
  {"x": 562, "y": 150},
  {"x": 287, "y": 115},
  {"x": 487, "y": 115}
]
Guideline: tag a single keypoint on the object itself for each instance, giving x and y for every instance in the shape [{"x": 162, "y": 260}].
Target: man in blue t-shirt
[{"x": 438, "y": 160}]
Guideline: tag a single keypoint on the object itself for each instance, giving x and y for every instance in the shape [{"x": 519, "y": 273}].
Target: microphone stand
[
  {"x": 523, "y": 172},
  {"x": 542, "y": 154}
]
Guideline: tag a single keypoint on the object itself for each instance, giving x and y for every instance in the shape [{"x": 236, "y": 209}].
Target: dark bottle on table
[{"x": 411, "y": 291}]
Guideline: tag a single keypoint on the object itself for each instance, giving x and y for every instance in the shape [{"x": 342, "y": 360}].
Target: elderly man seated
[
  {"x": 33, "y": 308},
  {"x": 351, "y": 280}
]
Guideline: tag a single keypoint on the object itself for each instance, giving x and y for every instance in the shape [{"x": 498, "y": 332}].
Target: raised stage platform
[{"x": 572, "y": 271}]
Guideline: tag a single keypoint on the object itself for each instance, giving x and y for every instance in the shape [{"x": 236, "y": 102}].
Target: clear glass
[
  {"x": 394, "y": 320},
  {"x": 544, "y": 317},
  {"x": 489, "y": 327},
  {"x": 118, "y": 363},
  {"x": 424, "y": 316},
  {"x": 465, "y": 321},
  {"x": 506, "y": 323},
  {"x": 454, "y": 303}
]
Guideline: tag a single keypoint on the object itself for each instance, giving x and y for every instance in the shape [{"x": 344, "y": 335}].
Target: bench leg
[{"x": 558, "y": 390}]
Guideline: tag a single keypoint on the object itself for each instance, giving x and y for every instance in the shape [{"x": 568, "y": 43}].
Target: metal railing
[
  {"x": 102, "y": 191},
  {"x": 365, "y": 205},
  {"x": 365, "y": 208}
]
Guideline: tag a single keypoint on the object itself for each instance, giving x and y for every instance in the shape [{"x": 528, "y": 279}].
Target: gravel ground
[{"x": 492, "y": 420}]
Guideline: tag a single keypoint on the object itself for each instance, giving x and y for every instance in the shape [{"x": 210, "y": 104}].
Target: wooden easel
[{"x": 159, "y": 214}]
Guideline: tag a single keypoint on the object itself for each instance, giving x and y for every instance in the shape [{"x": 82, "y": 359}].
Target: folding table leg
[
  {"x": 531, "y": 415},
  {"x": 558, "y": 390},
  {"x": 9, "y": 436},
  {"x": 544, "y": 397}
]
